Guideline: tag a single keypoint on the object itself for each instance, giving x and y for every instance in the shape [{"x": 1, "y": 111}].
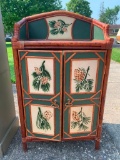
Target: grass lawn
[
  {"x": 115, "y": 57},
  {"x": 112, "y": 36},
  {"x": 10, "y": 60},
  {"x": 116, "y": 54}
]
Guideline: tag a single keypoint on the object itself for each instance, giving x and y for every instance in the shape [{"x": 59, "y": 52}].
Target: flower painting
[
  {"x": 41, "y": 78},
  {"x": 81, "y": 79},
  {"x": 42, "y": 119},
  {"x": 58, "y": 27},
  {"x": 81, "y": 118},
  {"x": 40, "y": 75},
  {"x": 83, "y": 75}
]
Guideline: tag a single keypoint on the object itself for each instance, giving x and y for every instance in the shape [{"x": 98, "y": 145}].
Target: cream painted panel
[
  {"x": 77, "y": 113},
  {"x": 33, "y": 65},
  {"x": 81, "y": 67},
  {"x": 62, "y": 30},
  {"x": 42, "y": 123}
]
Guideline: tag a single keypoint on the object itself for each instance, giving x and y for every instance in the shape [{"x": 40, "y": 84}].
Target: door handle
[
  {"x": 68, "y": 103},
  {"x": 54, "y": 103}
]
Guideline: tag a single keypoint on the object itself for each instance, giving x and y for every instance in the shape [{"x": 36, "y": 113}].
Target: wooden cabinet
[{"x": 61, "y": 62}]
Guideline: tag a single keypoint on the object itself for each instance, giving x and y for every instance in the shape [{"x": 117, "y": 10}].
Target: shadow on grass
[{"x": 8, "y": 45}]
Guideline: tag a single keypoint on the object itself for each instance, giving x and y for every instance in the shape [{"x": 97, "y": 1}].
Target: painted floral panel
[
  {"x": 81, "y": 119},
  {"x": 41, "y": 75},
  {"x": 42, "y": 119},
  {"x": 83, "y": 76},
  {"x": 60, "y": 27}
]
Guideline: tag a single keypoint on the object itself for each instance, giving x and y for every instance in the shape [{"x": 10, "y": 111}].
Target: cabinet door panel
[
  {"x": 42, "y": 120},
  {"x": 41, "y": 88},
  {"x": 31, "y": 65},
  {"x": 83, "y": 78}
]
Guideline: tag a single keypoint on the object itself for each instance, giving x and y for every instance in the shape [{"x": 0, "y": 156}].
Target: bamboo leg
[
  {"x": 24, "y": 146},
  {"x": 97, "y": 144},
  {"x": 101, "y": 110}
]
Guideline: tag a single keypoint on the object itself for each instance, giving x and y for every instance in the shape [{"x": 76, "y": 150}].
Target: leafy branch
[
  {"x": 41, "y": 121},
  {"x": 58, "y": 26},
  {"x": 41, "y": 78},
  {"x": 80, "y": 120},
  {"x": 81, "y": 80}
]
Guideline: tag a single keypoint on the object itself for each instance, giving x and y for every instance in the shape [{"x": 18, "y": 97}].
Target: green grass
[
  {"x": 10, "y": 60},
  {"x": 115, "y": 57},
  {"x": 112, "y": 36},
  {"x": 116, "y": 54}
]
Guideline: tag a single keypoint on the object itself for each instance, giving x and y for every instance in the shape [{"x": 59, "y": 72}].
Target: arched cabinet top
[{"x": 60, "y": 26}]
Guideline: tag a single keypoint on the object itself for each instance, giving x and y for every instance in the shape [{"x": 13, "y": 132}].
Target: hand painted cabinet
[{"x": 61, "y": 64}]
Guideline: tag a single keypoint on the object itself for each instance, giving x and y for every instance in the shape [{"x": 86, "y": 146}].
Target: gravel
[
  {"x": 77, "y": 150},
  {"x": 72, "y": 150}
]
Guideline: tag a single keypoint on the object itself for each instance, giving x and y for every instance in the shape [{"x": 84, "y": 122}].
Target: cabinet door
[
  {"x": 41, "y": 85},
  {"x": 83, "y": 78}
]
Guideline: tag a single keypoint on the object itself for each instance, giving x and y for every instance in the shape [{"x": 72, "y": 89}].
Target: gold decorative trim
[
  {"x": 68, "y": 135},
  {"x": 91, "y": 133},
  {"x": 96, "y": 94},
  {"x": 55, "y": 57},
  {"x": 55, "y": 136},
  {"x": 48, "y": 100},
  {"x": 30, "y": 133},
  {"x": 69, "y": 96},
  {"x": 55, "y": 96},
  {"x": 28, "y": 103},
  {"x": 24, "y": 56},
  {"x": 100, "y": 57},
  {"x": 95, "y": 103},
  {"x": 73, "y": 54},
  {"x": 73, "y": 100},
  {"x": 26, "y": 93}
]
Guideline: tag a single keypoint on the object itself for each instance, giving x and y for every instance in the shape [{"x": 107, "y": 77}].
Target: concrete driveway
[{"x": 112, "y": 105}]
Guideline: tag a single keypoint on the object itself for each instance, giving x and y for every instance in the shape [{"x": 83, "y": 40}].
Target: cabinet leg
[
  {"x": 97, "y": 144},
  {"x": 24, "y": 146}
]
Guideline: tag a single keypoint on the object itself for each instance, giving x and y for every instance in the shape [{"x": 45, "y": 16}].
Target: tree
[
  {"x": 79, "y": 6},
  {"x": 15, "y": 10},
  {"x": 108, "y": 15}
]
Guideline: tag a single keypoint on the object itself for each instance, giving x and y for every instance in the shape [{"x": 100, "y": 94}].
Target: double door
[{"x": 61, "y": 92}]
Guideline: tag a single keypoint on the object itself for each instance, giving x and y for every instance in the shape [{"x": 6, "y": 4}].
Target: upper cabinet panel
[
  {"x": 98, "y": 33},
  {"x": 37, "y": 29},
  {"x": 59, "y": 28},
  {"x": 81, "y": 30}
]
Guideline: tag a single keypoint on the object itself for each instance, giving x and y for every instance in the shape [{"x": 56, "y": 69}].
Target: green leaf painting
[
  {"x": 41, "y": 78},
  {"x": 82, "y": 83},
  {"x": 42, "y": 119},
  {"x": 58, "y": 26},
  {"x": 80, "y": 120}
]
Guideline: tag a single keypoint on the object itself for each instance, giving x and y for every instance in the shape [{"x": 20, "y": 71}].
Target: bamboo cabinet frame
[{"x": 63, "y": 52}]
